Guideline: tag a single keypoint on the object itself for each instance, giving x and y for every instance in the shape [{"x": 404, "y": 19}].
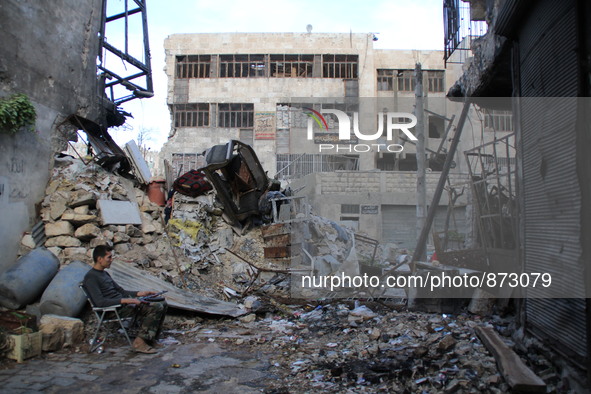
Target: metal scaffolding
[
  {"x": 127, "y": 77},
  {"x": 492, "y": 173}
]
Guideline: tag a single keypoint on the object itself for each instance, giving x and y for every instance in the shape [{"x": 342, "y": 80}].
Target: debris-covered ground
[
  {"x": 312, "y": 345},
  {"x": 356, "y": 346}
]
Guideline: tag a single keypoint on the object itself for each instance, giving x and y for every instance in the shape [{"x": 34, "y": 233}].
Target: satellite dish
[{"x": 309, "y": 28}]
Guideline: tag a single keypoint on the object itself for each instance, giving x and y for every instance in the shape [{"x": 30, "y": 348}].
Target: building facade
[{"x": 264, "y": 89}]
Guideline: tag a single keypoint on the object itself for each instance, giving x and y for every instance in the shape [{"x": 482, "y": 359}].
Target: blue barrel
[
  {"x": 24, "y": 282},
  {"x": 63, "y": 297}
]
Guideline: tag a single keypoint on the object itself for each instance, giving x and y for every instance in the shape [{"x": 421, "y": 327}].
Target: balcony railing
[{"x": 459, "y": 30}]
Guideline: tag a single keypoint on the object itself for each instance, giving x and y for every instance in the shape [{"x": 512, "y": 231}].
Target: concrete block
[
  {"x": 55, "y": 250},
  {"x": 57, "y": 208},
  {"x": 68, "y": 253},
  {"x": 60, "y": 331},
  {"x": 119, "y": 212},
  {"x": 63, "y": 241},
  {"x": 78, "y": 219},
  {"x": 120, "y": 237},
  {"x": 87, "y": 232},
  {"x": 28, "y": 241},
  {"x": 59, "y": 228},
  {"x": 148, "y": 224},
  {"x": 82, "y": 210},
  {"x": 82, "y": 197}
]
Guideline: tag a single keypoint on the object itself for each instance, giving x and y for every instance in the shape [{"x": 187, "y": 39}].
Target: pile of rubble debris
[
  {"x": 366, "y": 347},
  {"x": 326, "y": 344},
  {"x": 74, "y": 225},
  {"x": 197, "y": 249}
]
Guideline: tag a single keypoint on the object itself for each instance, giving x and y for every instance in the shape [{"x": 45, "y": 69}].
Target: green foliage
[
  {"x": 16, "y": 112},
  {"x": 455, "y": 236}
]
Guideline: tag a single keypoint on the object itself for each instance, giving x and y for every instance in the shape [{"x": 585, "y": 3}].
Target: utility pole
[{"x": 420, "y": 148}]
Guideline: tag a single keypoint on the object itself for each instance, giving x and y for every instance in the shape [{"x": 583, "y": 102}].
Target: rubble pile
[
  {"x": 191, "y": 250},
  {"x": 370, "y": 347},
  {"x": 232, "y": 261},
  {"x": 73, "y": 225},
  {"x": 327, "y": 345}
]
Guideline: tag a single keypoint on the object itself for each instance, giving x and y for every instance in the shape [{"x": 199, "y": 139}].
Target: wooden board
[{"x": 519, "y": 377}]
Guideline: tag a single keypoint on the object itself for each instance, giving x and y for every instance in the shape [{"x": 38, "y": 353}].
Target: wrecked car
[{"x": 239, "y": 180}]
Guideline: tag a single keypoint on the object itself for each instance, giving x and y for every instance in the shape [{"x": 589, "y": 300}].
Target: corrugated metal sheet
[
  {"x": 131, "y": 278},
  {"x": 552, "y": 196}
]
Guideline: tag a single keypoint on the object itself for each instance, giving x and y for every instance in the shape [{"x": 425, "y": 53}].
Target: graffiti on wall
[{"x": 17, "y": 165}]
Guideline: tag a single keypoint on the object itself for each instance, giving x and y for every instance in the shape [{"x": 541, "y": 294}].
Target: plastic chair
[{"x": 100, "y": 314}]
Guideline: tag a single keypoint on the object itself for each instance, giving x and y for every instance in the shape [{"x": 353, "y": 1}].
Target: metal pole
[
  {"x": 421, "y": 243},
  {"x": 420, "y": 149}
]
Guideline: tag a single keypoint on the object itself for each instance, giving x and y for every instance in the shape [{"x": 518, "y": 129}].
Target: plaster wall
[{"x": 48, "y": 52}]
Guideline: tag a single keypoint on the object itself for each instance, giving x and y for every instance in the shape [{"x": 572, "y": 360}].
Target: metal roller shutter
[
  {"x": 552, "y": 195},
  {"x": 399, "y": 224}
]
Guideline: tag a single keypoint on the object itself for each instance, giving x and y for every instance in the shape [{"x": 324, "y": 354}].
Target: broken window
[
  {"x": 408, "y": 162},
  {"x": 436, "y": 81},
  {"x": 349, "y": 209},
  {"x": 350, "y": 215},
  {"x": 183, "y": 162},
  {"x": 193, "y": 66},
  {"x": 340, "y": 66},
  {"x": 387, "y": 162},
  {"x": 406, "y": 81},
  {"x": 236, "y": 115},
  {"x": 291, "y": 66},
  {"x": 385, "y": 80},
  {"x": 497, "y": 120},
  {"x": 191, "y": 115},
  {"x": 293, "y": 115},
  {"x": 297, "y": 165},
  {"x": 242, "y": 66}
]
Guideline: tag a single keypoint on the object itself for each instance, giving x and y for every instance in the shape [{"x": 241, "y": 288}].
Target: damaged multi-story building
[
  {"x": 262, "y": 89},
  {"x": 536, "y": 55},
  {"x": 55, "y": 85}
]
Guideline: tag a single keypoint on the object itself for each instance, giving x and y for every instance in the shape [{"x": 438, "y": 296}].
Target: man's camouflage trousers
[{"x": 150, "y": 315}]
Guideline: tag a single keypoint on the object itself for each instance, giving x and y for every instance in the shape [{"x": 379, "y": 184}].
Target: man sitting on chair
[{"x": 103, "y": 291}]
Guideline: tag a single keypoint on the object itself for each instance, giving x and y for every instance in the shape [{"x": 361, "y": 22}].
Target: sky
[{"x": 398, "y": 24}]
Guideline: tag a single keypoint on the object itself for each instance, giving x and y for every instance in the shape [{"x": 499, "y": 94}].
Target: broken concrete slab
[
  {"x": 78, "y": 219},
  {"x": 63, "y": 241},
  {"x": 141, "y": 169},
  {"x": 28, "y": 241},
  {"x": 82, "y": 197},
  {"x": 82, "y": 210},
  {"x": 148, "y": 225},
  {"x": 59, "y": 228},
  {"x": 60, "y": 331},
  {"x": 119, "y": 212},
  {"x": 57, "y": 208},
  {"x": 87, "y": 232}
]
